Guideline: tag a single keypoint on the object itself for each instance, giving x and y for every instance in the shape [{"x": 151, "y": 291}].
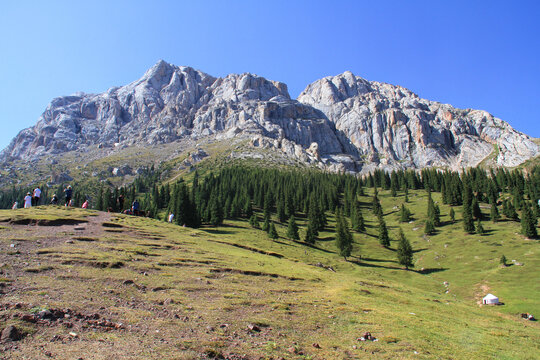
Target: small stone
[
  {"x": 69, "y": 241},
  {"x": 10, "y": 333},
  {"x": 73, "y": 334},
  {"x": 316, "y": 345},
  {"x": 254, "y": 327}
]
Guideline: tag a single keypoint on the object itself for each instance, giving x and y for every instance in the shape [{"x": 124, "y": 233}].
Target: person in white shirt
[
  {"x": 171, "y": 217},
  {"x": 28, "y": 200},
  {"x": 37, "y": 196},
  {"x": 15, "y": 205}
]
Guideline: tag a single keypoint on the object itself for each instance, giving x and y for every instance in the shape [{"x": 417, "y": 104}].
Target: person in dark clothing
[
  {"x": 135, "y": 207},
  {"x": 68, "y": 194},
  {"x": 121, "y": 203},
  {"x": 54, "y": 200}
]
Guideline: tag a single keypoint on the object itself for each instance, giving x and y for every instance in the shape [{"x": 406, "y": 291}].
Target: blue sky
[{"x": 471, "y": 54}]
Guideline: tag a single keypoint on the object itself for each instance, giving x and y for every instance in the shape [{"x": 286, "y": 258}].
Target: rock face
[
  {"x": 390, "y": 125},
  {"x": 340, "y": 122}
]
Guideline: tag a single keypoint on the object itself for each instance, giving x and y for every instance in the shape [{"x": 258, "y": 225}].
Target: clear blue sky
[{"x": 471, "y": 54}]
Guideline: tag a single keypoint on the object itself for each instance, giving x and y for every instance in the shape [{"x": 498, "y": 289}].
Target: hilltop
[{"x": 138, "y": 287}]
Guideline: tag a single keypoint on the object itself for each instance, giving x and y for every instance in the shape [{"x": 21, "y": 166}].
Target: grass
[{"x": 201, "y": 288}]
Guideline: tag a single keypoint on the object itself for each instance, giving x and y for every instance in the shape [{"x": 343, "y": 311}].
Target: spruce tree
[
  {"x": 429, "y": 229},
  {"x": 310, "y": 236},
  {"x": 494, "y": 213},
  {"x": 528, "y": 222},
  {"x": 292, "y": 229},
  {"x": 266, "y": 224},
  {"x": 343, "y": 236},
  {"x": 404, "y": 214},
  {"x": 404, "y": 251},
  {"x": 503, "y": 260},
  {"x": 479, "y": 228},
  {"x": 254, "y": 221},
  {"x": 357, "y": 220},
  {"x": 468, "y": 223},
  {"x": 452, "y": 215},
  {"x": 216, "y": 210},
  {"x": 272, "y": 233},
  {"x": 384, "y": 240},
  {"x": 282, "y": 216},
  {"x": 476, "y": 212}
]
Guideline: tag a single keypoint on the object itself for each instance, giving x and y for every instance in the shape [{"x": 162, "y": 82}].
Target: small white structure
[{"x": 490, "y": 299}]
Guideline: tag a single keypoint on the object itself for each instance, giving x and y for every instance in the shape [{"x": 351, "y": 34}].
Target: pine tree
[
  {"x": 292, "y": 229},
  {"x": 452, "y": 215},
  {"x": 528, "y": 222},
  {"x": 357, "y": 220},
  {"x": 429, "y": 229},
  {"x": 384, "y": 240},
  {"x": 479, "y": 228},
  {"x": 343, "y": 236},
  {"x": 476, "y": 212},
  {"x": 282, "y": 217},
  {"x": 216, "y": 211},
  {"x": 404, "y": 214},
  {"x": 272, "y": 233},
  {"x": 503, "y": 260},
  {"x": 404, "y": 251},
  {"x": 310, "y": 236},
  {"x": 254, "y": 221},
  {"x": 266, "y": 224},
  {"x": 494, "y": 213},
  {"x": 468, "y": 223}
]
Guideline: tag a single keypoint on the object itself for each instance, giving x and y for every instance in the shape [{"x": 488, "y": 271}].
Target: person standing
[
  {"x": 68, "y": 194},
  {"x": 37, "y": 195},
  {"x": 135, "y": 207},
  {"x": 85, "y": 205},
  {"x": 171, "y": 217},
  {"x": 15, "y": 205},
  {"x": 121, "y": 203},
  {"x": 28, "y": 201}
]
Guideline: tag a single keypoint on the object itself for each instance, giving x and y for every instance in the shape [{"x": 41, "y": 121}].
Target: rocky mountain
[{"x": 340, "y": 122}]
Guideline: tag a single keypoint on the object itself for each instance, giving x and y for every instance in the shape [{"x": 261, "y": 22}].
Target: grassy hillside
[{"x": 164, "y": 291}]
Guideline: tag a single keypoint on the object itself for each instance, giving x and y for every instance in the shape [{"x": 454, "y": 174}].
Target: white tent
[{"x": 490, "y": 299}]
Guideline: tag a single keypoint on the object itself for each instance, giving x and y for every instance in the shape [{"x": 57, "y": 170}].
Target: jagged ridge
[{"x": 340, "y": 122}]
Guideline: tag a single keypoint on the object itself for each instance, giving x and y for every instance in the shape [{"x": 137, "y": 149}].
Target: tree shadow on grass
[
  {"x": 365, "y": 264},
  {"x": 430, "y": 270},
  {"x": 313, "y": 246},
  {"x": 376, "y": 260},
  {"x": 419, "y": 250},
  {"x": 218, "y": 231}
]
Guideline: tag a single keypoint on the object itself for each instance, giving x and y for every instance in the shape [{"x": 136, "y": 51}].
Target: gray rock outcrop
[{"x": 341, "y": 123}]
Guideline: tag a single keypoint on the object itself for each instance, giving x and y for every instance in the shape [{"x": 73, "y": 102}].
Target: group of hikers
[{"x": 33, "y": 199}]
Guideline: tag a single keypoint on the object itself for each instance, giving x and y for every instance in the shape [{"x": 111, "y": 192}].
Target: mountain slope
[{"x": 339, "y": 123}]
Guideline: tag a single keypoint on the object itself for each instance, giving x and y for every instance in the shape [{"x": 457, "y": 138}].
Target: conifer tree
[
  {"x": 429, "y": 229},
  {"x": 282, "y": 217},
  {"x": 404, "y": 251},
  {"x": 479, "y": 228},
  {"x": 272, "y": 233},
  {"x": 476, "y": 212},
  {"x": 528, "y": 223},
  {"x": 216, "y": 210},
  {"x": 357, "y": 219},
  {"x": 503, "y": 260},
  {"x": 452, "y": 215},
  {"x": 404, "y": 214},
  {"x": 384, "y": 240},
  {"x": 343, "y": 236},
  {"x": 494, "y": 213},
  {"x": 266, "y": 224},
  {"x": 292, "y": 229},
  {"x": 254, "y": 221},
  {"x": 310, "y": 236}
]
